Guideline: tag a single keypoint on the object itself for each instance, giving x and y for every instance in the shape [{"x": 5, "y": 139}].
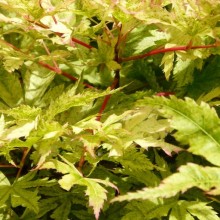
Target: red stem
[
  {"x": 25, "y": 153},
  {"x": 76, "y": 41},
  {"x": 165, "y": 50},
  {"x": 81, "y": 43},
  {"x": 82, "y": 160},
  {"x": 59, "y": 71},
  {"x": 11, "y": 45},
  {"x": 55, "y": 69},
  {"x": 106, "y": 99}
]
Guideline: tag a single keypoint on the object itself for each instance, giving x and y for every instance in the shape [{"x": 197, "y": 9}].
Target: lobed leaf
[
  {"x": 196, "y": 125},
  {"x": 190, "y": 175}
]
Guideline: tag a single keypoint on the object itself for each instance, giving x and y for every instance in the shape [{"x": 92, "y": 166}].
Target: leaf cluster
[{"x": 109, "y": 109}]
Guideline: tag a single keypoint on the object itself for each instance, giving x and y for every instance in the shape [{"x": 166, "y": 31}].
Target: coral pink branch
[
  {"x": 165, "y": 50},
  {"x": 59, "y": 71},
  {"x": 106, "y": 99},
  {"x": 76, "y": 41},
  {"x": 54, "y": 69}
]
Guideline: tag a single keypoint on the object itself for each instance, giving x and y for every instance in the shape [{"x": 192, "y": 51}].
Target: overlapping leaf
[
  {"x": 190, "y": 175},
  {"x": 95, "y": 192},
  {"x": 19, "y": 194},
  {"x": 196, "y": 125}
]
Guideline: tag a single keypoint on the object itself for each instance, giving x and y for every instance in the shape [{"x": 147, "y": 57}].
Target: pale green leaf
[
  {"x": 69, "y": 99},
  {"x": 190, "y": 209},
  {"x": 5, "y": 192},
  {"x": 10, "y": 87},
  {"x": 5, "y": 189},
  {"x": 6, "y": 213},
  {"x": 21, "y": 130},
  {"x": 112, "y": 65},
  {"x": 180, "y": 213},
  {"x": 51, "y": 94},
  {"x": 96, "y": 193},
  {"x": 167, "y": 62},
  {"x": 3, "y": 180},
  {"x": 153, "y": 142},
  {"x": 36, "y": 81},
  {"x": 149, "y": 41},
  {"x": 201, "y": 210},
  {"x": 148, "y": 209},
  {"x": 134, "y": 160},
  {"x": 190, "y": 175},
  {"x": 72, "y": 175},
  {"x": 23, "y": 112},
  {"x": 214, "y": 93},
  {"x": 61, "y": 167},
  {"x": 12, "y": 63},
  {"x": 97, "y": 196},
  {"x": 68, "y": 181},
  {"x": 25, "y": 198},
  {"x": 183, "y": 72},
  {"x": 196, "y": 125}
]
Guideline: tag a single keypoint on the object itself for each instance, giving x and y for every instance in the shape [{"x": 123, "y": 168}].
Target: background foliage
[{"x": 109, "y": 109}]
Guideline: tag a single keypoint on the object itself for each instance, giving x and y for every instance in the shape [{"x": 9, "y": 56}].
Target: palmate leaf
[
  {"x": 57, "y": 201},
  {"x": 21, "y": 130},
  {"x": 62, "y": 212},
  {"x": 18, "y": 193},
  {"x": 153, "y": 142},
  {"x": 97, "y": 195},
  {"x": 190, "y": 175},
  {"x": 26, "y": 120},
  {"x": 70, "y": 99},
  {"x": 95, "y": 192},
  {"x": 196, "y": 125},
  {"x": 188, "y": 210},
  {"x": 22, "y": 112},
  {"x": 135, "y": 160},
  {"x": 148, "y": 209}
]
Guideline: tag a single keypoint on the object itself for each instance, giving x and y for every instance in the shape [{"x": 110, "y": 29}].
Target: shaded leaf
[{"x": 10, "y": 87}]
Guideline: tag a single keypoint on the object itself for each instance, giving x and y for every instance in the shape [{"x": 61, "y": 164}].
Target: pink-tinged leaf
[
  {"x": 151, "y": 142},
  {"x": 97, "y": 196}
]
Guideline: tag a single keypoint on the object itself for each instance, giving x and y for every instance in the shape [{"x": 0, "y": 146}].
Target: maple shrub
[{"x": 110, "y": 109}]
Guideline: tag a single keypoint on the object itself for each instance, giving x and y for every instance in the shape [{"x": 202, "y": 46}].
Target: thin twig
[
  {"x": 82, "y": 160},
  {"x": 59, "y": 71},
  {"x": 25, "y": 153},
  {"x": 7, "y": 166},
  {"x": 47, "y": 66},
  {"x": 49, "y": 54},
  {"x": 106, "y": 99},
  {"x": 116, "y": 81}
]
